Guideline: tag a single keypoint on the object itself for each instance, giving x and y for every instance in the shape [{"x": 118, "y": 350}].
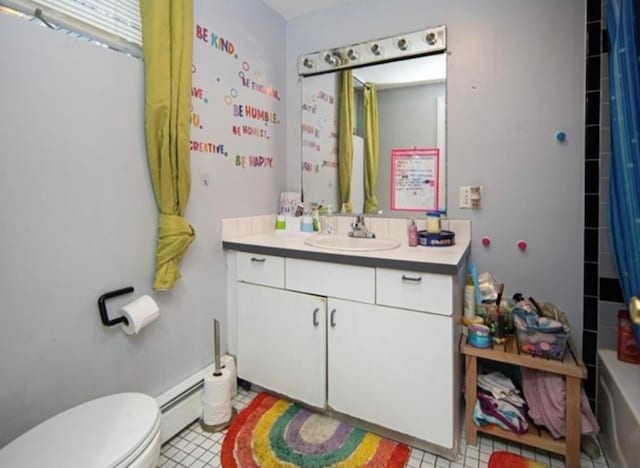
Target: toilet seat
[{"x": 109, "y": 432}]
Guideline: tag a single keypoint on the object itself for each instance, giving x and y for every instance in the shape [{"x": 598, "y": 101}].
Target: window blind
[{"x": 115, "y": 23}]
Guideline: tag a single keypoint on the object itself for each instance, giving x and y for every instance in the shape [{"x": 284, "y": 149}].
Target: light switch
[
  {"x": 476, "y": 197},
  {"x": 470, "y": 197}
]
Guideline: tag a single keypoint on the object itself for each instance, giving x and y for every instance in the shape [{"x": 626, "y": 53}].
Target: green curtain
[
  {"x": 371, "y": 152},
  {"x": 167, "y": 44},
  {"x": 345, "y": 139}
]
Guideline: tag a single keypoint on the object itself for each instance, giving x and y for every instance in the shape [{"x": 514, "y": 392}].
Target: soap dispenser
[{"x": 328, "y": 221}]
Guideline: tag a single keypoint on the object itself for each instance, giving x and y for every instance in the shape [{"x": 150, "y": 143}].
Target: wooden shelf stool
[{"x": 570, "y": 367}]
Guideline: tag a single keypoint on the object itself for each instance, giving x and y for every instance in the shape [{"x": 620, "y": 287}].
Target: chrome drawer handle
[
  {"x": 258, "y": 260},
  {"x": 409, "y": 278},
  {"x": 315, "y": 317},
  {"x": 331, "y": 318}
]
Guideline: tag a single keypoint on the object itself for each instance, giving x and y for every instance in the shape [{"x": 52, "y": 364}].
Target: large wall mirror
[{"x": 395, "y": 103}]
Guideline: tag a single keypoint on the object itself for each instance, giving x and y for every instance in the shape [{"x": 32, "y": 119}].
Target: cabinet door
[
  {"x": 282, "y": 342},
  {"x": 392, "y": 367}
]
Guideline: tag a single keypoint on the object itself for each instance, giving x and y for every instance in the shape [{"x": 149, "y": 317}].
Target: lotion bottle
[
  {"x": 412, "y": 234},
  {"x": 469, "y": 299}
]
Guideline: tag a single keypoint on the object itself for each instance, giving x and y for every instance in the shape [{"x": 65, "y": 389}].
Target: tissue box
[{"x": 537, "y": 343}]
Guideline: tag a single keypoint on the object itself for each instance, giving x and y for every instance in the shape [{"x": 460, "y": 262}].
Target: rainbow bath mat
[{"x": 272, "y": 432}]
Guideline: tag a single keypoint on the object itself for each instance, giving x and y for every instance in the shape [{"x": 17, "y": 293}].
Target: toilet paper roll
[
  {"x": 213, "y": 415},
  {"x": 229, "y": 363},
  {"x": 217, "y": 388},
  {"x": 216, "y": 398},
  {"x": 139, "y": 314}
]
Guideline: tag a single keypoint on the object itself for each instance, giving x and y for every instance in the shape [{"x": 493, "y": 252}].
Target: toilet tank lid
[{"x": 99, "y": 433}]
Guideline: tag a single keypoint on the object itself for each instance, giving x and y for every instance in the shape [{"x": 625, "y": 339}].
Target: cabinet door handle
[
  {"x": 331, "y": 318},
  {"x": 410, "y": 278},
  {"x": 315, "y": 317},
  {"x": 258, "y": 260}
]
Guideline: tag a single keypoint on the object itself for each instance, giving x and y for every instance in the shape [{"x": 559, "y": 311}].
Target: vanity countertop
[{"x": 440, "y": 260}]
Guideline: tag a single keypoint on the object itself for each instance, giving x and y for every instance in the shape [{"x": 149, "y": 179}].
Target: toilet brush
[{"x": 217, "y": 411}]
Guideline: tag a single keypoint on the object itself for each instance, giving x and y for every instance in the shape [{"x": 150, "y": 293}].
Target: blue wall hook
[{"x": 561, "y": 137}]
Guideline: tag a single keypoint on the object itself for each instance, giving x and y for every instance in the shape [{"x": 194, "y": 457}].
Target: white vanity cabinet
[
  {"x": 282, "y": 334},
  {"x": 372, "y": 343},
  {"x": 392, "y": 367},
  {"x": 282, "y": 341}
]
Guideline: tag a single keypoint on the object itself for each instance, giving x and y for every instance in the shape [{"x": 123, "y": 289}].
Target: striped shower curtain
[{"x": 624, "y": 187}]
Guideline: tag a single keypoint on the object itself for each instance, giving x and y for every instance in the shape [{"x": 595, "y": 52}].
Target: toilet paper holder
[{"x": 103, "y": 307}]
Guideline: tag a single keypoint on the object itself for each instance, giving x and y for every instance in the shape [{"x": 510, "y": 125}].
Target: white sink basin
[{"x": 355, "y": 244}]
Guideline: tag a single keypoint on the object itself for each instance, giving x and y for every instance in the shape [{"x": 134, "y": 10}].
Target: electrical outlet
[{"x": 204, "y": 179}]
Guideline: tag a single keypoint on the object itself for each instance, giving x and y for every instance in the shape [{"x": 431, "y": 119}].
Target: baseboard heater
[{"x": 182, "y": 404}]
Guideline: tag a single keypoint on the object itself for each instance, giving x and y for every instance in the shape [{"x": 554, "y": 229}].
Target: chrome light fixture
[
  {"x": 332, "y": 58},
  {"x": 414, "y": 44}
]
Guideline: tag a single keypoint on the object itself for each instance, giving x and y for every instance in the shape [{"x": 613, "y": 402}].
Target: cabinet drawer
[
  {"x": 260, "y": 269},
  {"x": 331, "y": 279},
  {"x": 427, "y": 292}
]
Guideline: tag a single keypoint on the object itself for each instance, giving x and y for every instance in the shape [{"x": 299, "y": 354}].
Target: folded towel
[
  {"x": 487, "y": 410},
  {"x": 501, "y": 387}
]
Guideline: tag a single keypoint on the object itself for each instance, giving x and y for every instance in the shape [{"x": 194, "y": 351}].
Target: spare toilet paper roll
[
  {"x": 216, "y": 398},
  {"x": 217, "y": 388},
  {"x": 229, "y": 363},
  {"x": 139, "y": 314},
  {"x": 213, "y": 415}
]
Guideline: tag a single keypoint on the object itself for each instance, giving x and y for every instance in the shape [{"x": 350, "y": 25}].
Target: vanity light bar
[{"x": 424, "y": 42}]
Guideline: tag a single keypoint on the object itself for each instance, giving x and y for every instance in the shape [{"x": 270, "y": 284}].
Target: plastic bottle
[
  {"x": 412, "y": 234},
  {"x": 328, "y": 221},
  {"x": 315, "y": 220},
  {"x": 469, "y": 299}
]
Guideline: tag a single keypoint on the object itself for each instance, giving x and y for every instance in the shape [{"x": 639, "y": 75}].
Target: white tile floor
[{"x": 195, "y": 448}]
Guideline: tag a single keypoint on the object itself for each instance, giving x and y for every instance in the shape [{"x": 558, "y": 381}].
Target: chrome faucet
[{"x": 359, "y": 229}]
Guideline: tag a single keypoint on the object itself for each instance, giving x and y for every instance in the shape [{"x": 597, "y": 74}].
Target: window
[{"x": 113, "y": 23}]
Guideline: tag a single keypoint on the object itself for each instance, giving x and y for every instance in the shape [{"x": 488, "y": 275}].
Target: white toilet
[{"x": 116, "y": 431}]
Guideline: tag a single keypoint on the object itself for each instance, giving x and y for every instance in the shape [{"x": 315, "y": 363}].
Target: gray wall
[
  {"x": 79, "y": 219},
  {"x": 515, "y": 77},
  {"x": 406, "y": 117}
]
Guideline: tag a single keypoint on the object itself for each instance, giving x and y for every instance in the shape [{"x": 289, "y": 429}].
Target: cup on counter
[
  {"x": 307, "y": 224},
  {"x": 433, "y": 222},
  {"x": 292, "y": 224},
  {"x": 281, "y": 223}
]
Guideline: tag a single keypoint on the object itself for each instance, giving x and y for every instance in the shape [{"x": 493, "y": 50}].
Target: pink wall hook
[
  {"x": 486, "y": 241},
  {"x": 522, "y": 245}
]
